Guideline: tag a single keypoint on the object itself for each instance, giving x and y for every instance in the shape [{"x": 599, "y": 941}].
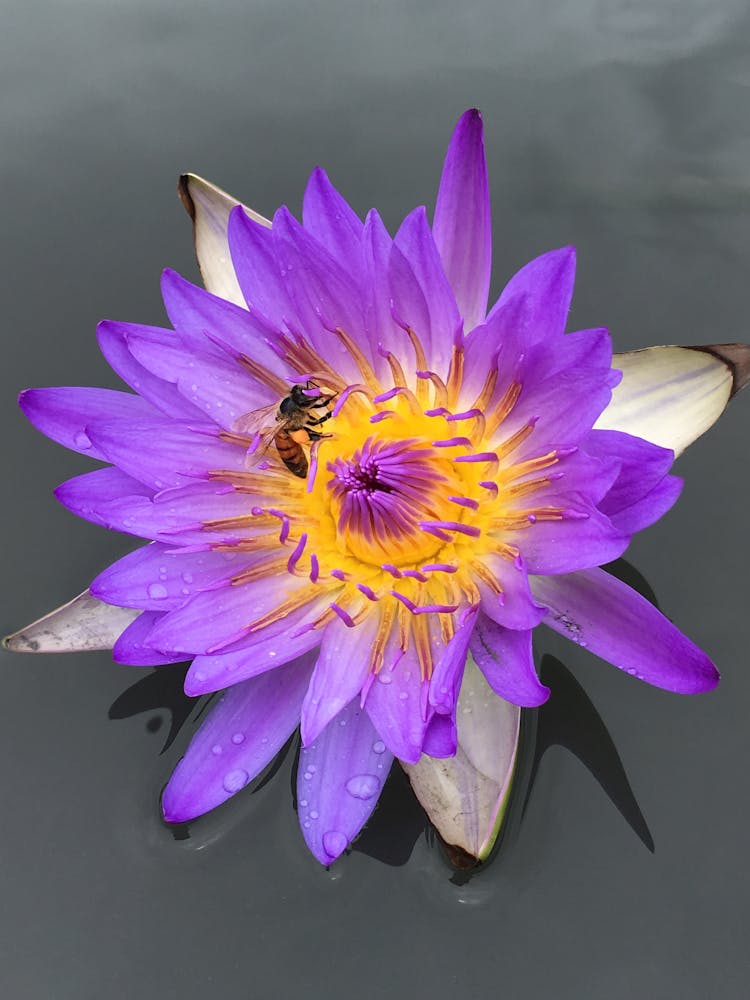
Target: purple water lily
[{"x": 447, "y": 479}]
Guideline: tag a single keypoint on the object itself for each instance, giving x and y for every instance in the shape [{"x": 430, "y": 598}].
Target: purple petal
[
  {"x": 173, "y": 516},
  {"x": 603, "y": 614},
  {"x": 258, "y": 272},
  {"x": 219, "y": 616},
  {"x": 341, "y": 670},
  {"x": 414, "y": 240},
  {"x": 648, "y": 510},
  {"x": 86, "y": 495},
  {"x": 441, "y": 736},
  {"x": 384, "y": 334},
  {"x": 463, "y": 226},
  {"x": 195, "y": 313},
  {"x": 164, "y": 454},
  {"x": 515, "y": 607},
  {"x": 580, "y": 540},
  {"x": 216, "y": 387},
  {"x": 505, "y": 658},
  {"x": 64, "y": 413},
  {"x": 113, "y": 342},
  {"x": 325, "y": 296},
  {"x": 241, "y": 734},
  {"x": 158, "y": 577},
  {"x": 397, "y": 704},
  {"x": 131, "y": 648},
  {"x": 339, "y": 779},
  {"x": 264, "y": 650},
  {"x": 446, "y": 677},
  {"x": 330, "y": 219},
  {"x": 546, "y": 288},
  {"x": 642, "y": 467}
]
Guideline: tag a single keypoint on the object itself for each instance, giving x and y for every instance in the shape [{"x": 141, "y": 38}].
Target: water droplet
[
  {"x": 216, "y": 749},
  {"x": 404, "y": 695},
  {"x": 157, "y": 591},
  {"x": 235, "y": 780},
  {"x": 82, "y": 441},
  {"x": 342, "y": 722},
  {"x": 187, "y": 577},
  {"x": 307, "y": 776},
  {"x": 312, "y": 768},
  {"x": 303, "y": 802},
  {"x": 378, "y": 746},
  {"x": 314, "y": 814},
  {"x": 334, "y": 843},
  {"x": 384, "y": 678},
  {"x": 238, "y": 738},
  {"x": 363, "y": 786}
]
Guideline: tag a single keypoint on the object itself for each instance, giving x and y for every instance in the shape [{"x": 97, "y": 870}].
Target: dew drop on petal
[
  {"x": 404, "y": 695},
  {"x": 314, "y": 814},
  {"x": 378, "y": 746},
  {"x": 303, "y": 802},
  {"x": 82, "y": 441},
  {"x": 157, "y": 591},
  {"x": 363, "y": 786},
  {"x": 234, "y": 780},
  {"x": 216, "y": 749},
  {"x": 384, "y": 678},
  {"x": 187, "y": 577},
  {"x": 334, "y": 843},
  {"x": 238, "y": 738}
]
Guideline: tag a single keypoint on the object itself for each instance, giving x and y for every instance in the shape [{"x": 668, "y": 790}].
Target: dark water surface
[{"x": 622, "y": 127}]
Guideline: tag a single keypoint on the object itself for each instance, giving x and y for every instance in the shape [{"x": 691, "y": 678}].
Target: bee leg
[
  {"x": 316, "y": 435},
  {"x": 318, "y": 420}
]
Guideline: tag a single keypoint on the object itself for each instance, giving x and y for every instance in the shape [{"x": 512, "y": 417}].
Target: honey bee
[{"x": 289, "y": 425}]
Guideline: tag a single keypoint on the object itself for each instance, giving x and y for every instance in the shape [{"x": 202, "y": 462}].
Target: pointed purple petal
[
  {"x": 63, "y": 413},
  {"x": 164, "y": 454},
  {"x": 330, "y": 218},
  {"x": 86, "y": 495},
  {"x": 648, "y": 510},
  {"x": 414, "y": 240},
  {"x": 463, "y": 226},
  {"x": 258, "y": 272},
  {"x": 113, "y": 342},
  {"x": 515, "y": 607},
  {"x": 446, "y": 677},
  {"x": 339, "y": 779},
  {"x": 505, "y": 658},
  {"x": 546, "y": 286},
  {"x": 603, "y": 614},
  {"x": 132, "y": 649},
  {"x": 241, "y": 734},
  {"x": 342, "y": 668},
  {"x": 397, "y": 705}
]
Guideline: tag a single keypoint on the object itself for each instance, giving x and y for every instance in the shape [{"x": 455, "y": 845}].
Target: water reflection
[{"x": 161, "y": 689}]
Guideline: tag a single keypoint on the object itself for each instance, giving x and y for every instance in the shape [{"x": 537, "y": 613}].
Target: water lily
[{"x": 458, "y": 476}]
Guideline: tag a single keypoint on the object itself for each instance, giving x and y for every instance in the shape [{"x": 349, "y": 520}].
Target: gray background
[{"x": 623, "y": 127}]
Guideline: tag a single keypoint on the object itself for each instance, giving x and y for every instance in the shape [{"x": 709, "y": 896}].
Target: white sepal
[
  {"x": 669, "y": 395},
  {"x": 209, "y": 208},
  {"x": 82, "y": 624},
  {"x": 465, "y": 796}
]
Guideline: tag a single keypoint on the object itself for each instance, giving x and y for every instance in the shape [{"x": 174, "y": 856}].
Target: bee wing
[{"x": 258, "y": 421}]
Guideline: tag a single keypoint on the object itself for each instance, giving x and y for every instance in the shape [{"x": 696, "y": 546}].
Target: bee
[{"x": 289, "y": 425}]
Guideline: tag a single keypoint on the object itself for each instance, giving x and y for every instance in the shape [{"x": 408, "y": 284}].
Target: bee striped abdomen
[{"x": 291, "y": 453}]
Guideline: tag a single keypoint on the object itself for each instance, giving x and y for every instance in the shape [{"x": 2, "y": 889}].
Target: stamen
[
  {"x": 464, "y": 529},
  {"x": 297, "y": 553},
  {"x": 455, "y": 373},
  {"x": 393, "y": 570},
  {"x": 339, "y": 574},
  {"x": 314, "y": 568},
  {"x": 466, "y": 415},
  {"x": 362, "y": 363},
  {"x": 508, "y": 446},
  {"x": 424, "y": 609},
  {"x": 504, "y": 407},
  {"x": 399, "y": 390},
  {"x": 397, "y": 371},
  {"x": 260, "y": 571},
  {"x": 257, "y": 370},
  {"x": 478, "y": 456},
  {"x": 367, "y": 591},
  {"x": 343, "y": 615},
  {"x": 485, "y": 393},
  {"x": 453, "y": 442},
  {"x": 415, "y": 575},
  {"x": 487, "y": 484},
  {"x": 383, "y": 415},
  {"x": 441, "y": 392},
  {"x": 465, "y": 502},
  {"x": 344, "y": 396},
  {"x": 387, "y": 617},
  {"x": 439, "y": 568},
  {"x": 487, "y": 576}
]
